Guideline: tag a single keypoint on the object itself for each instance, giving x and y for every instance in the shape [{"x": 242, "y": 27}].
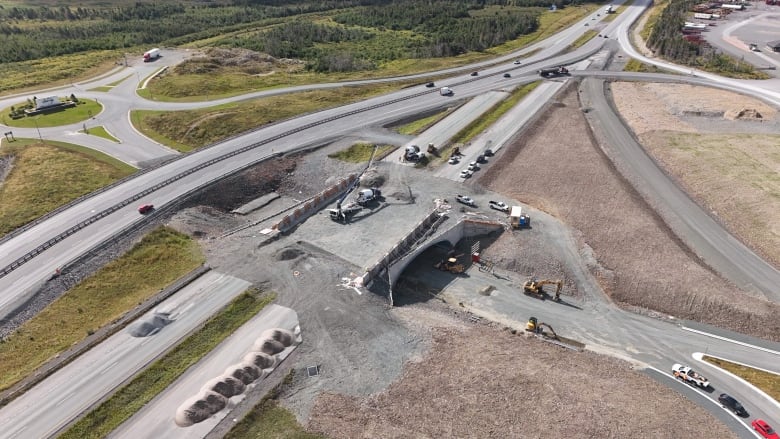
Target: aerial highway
[{"x": 636, "y": 338}]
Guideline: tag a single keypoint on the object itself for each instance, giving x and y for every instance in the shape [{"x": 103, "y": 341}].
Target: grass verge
[
  {"x": 420, "y": 125},
  {"x": 482, "y": 123},
  {"x": 769, "y": 383},
  {"x": 145, "y": 386},
  {"x": 360, "y": 152},
  {"x": 584, "y": 38},
  {"x": 100, "y": 132},
  {"x": 102, "y": 88},
  {"x": 270, "y": 420},
  {"x": 85, "y": 109},
  {"x": 160, "y": 258},
  {"x": 652, "y": 18},
  {"x": 634, "y": 65},
  {"x": 48, "y": 175},
  {"x": 187, "y": 130}
]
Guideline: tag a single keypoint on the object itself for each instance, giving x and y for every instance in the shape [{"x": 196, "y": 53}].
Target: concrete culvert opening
[
  {"x": 261, "y": 360},
  {"x": 283, "y": 336},
  {"x": 149, "y": 325},
  {"x": 288, "y": 253},
  {"x": 268, "y": 346},
  {"x": 199, "y": 408},
  {"x": 225, "y": 385}
]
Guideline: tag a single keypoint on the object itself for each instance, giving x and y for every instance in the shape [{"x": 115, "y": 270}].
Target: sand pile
[{"x": 743, "y": 114}]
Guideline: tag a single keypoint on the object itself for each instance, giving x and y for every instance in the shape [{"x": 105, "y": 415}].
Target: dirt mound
[
  {"x": 373, "y": 178},
  {"x": 199, "y": 408},
  {"x": 288, "y": 254},
  {"x": 149, "y": 325},
  {"x": 743, "y": 114}
]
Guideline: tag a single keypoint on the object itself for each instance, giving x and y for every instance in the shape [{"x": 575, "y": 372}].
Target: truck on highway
[
  {"x": 609, "y": 10},
  {"x": 553, "y": 71},
  {"x": 689, "y": 376},
  {"x": 517, "y": 218},
  {"x": 446, "y": 91},
  {"x": 151, "y": 55}
]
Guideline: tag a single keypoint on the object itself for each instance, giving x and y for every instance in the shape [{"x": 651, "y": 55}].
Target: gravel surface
[{"x": 557, "y": 169}]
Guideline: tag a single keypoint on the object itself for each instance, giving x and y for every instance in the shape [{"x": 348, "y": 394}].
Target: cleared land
[
  {"x": 640, "y": 261},
  {"x": 44, "y": 176},
  {"x": 717, "y": 149},
  {"x": 484, "y": 382}
]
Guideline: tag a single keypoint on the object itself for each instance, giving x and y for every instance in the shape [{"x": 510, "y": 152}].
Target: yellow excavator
[
  {"x": 536, "y": 287},
  {"x": 538, "y": 327},
  {"x": 451, "y": 265}
]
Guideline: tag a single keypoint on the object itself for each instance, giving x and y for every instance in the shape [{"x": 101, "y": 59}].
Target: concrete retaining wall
[{"x": 315, "y": 204}]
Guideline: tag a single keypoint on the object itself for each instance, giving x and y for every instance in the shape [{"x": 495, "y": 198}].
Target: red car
[
  {"x": 764, "y": 429},
  {"x": 145, "y": 208}
]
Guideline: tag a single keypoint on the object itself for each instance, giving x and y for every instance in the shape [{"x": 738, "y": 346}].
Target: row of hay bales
[{"x": 256, "y": 364}]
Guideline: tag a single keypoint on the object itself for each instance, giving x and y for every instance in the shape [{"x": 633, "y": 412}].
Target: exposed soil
[
  {"x": 480, "y": 381},
  {"x": 557, "y": 169},
  {"x": 721, "y": 147}
]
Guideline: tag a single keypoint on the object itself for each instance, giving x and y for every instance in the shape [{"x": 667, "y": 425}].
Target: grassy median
[
  {"x": 160, "y": 258},
  {"x": 766, "y": 381},
  {"x": 46, "y": 175},
  {"x": 360, "y": 152},
  {"x": 129, "y": 399},
  {"x": 420, "y": 125},
  {"x": 100, "y": 131}
]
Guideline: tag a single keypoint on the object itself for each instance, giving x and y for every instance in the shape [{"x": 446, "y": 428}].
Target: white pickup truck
[
  {"x": 688, "y": 375},
  {"x": 465, "y": 200},
  {"x": 498, "y": 205}
]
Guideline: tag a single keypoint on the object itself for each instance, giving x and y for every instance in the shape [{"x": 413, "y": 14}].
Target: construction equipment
[
  {"x": 689, "y": 376},
  {"x": 553, "y": 71},
  {"x": 450, "y": 265},
  {"x": 536, "y": 287},
  {"x": 537, "y": 327},
  {"x": 344, "y": 214}
]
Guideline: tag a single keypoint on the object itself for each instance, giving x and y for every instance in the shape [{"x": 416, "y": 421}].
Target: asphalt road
[
  {"x": 156, "y": 419},
  {"x": 56, "y": 401}
]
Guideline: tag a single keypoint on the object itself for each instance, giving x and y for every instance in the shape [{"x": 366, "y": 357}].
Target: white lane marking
[
  {"x": 698, "y": 357},
  {"x": 741, "y": 343}
]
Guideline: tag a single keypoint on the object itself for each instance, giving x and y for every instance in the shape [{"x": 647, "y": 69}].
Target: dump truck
[
  {"x": 689, "y": 376},
  {"x": 553, "y": 71},
  {"x": 517, "y": 218},
  {"x": 151, "y": 55}
]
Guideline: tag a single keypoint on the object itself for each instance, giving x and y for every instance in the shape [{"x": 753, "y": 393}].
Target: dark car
[
  {"x": 764, "y": 429},
  {"x": 507, "y": 75},
  {"x": 733, "y": 405},
  {"x": 474, "y": 73},
  {"x": 488, "y": 152},
  {"x": 430, "y": 85},
  {"x": 145, "y": 208}
]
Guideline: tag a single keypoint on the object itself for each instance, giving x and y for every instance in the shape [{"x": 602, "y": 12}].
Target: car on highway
[
  {"x": 430, "y": 85},
  {"x": 466, "y": 173},
  {"x": 764, "y": 429},
  {"x": 517, "y": 61},
  {"x": 732, "y": 404},
  {"x": 474, "y": 73},
  {"x": 498, "y": 205},
  {"x": 145, "y": 208},
  {"x": 507, "y": 75},
  {"x": 453, "y": 160},
  {"x": 465, "y": 200}
]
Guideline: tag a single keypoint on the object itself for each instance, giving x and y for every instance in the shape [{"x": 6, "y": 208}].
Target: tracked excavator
[
  {"x": 536, "y": 287},
  {"x": 451, "y": 265},
  {"x": 538, "y": 327}
]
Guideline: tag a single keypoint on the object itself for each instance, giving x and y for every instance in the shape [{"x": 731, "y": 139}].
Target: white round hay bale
[
  {"x": 261, "y": 360},
  {"x": 237, "y": 371},
  {"x": 214, "y": 401},
  {"x": 281, "y": 335},
  {"x": 267, "y": 346},
  {"x": 253, "y": 371}
]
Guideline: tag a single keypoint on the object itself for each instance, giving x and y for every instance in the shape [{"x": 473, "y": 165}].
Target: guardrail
[{"x": 81, "y": 225}]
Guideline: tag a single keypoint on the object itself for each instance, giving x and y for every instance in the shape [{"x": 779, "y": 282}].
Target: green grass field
[
  {"x": 360, "y": 152},
  {"x": 129, "y": 399},
  {"x": 46, "y": 176},
  {"x": 100, "y": 132},
  {"x": 85, "y": 109},
  {"x": 420, "y": 125},
  {"x": 160, "y": 258},
  {"x": 19, "y": 77}
]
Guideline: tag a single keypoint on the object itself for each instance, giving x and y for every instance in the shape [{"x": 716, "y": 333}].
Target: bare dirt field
[
  {"x": 480, "y": 381},
  {"x": 712, "y": 142},
  {"x": 556, "y": 168}
]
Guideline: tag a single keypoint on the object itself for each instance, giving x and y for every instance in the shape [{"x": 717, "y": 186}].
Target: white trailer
[
  {"x": 151, "y": 55},
  {"x": 702, "y": 16},
  {"x": 446, "y": 91},
  {"x": 731, "y": 6}
]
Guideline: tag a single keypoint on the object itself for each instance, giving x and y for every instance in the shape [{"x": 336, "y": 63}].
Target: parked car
[
  {"x": 466, "y": 173},
  {"x": 465, "y": 200},
  {"x": 481, "y": 158},
  {"x": 507, "y": 75},
  {"x": 473, "y": 166},
  {"x": 764, "y": 429},
  {"x": 474, "y": 73},
  {"x": 145, "y": 208},
  {"x": 453, "y": 161},
  {"x": 488, "y": 152},
  {"x": 498, "y": 205},
  {"x": 430, "y": 85},
  {"x": 732, "y": 404}
]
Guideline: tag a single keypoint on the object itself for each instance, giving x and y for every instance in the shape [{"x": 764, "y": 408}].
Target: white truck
[
  {"x": 446, "y": 91},
  {"x": 151, "y": 55},
  {"x": 517, "y": 218},
  {"x": 498, "y": 205},
  {"x": 689, "y": 376}
]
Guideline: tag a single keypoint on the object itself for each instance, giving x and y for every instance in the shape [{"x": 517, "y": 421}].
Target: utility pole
[{"x": 37, "y": 128}]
